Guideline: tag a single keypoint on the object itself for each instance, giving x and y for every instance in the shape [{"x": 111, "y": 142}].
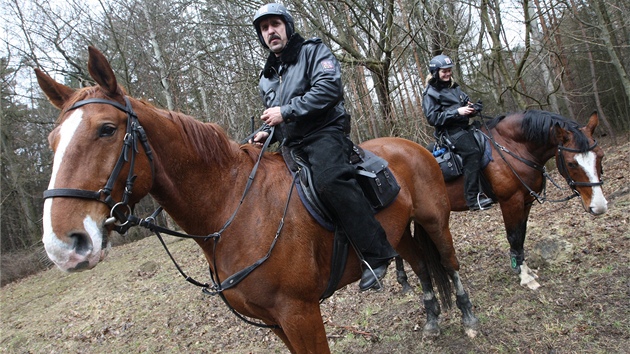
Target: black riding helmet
[
  {"x": 273, "y": 9},
  {"x": 439, "y": 62}
]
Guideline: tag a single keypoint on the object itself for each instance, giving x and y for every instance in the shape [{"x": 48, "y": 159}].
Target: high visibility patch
[{"x": 328, "y": 65}]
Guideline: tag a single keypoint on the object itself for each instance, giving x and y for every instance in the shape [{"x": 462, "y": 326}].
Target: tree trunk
[
  {"x": 609, "y": 41},
  {"x": 157, "y": 52}
]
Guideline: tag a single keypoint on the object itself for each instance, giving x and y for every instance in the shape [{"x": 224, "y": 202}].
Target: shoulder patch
[{"x": 328, "y": 65}]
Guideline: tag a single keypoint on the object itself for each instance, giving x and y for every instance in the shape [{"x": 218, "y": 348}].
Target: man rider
[{"x": 302, "y": 92}]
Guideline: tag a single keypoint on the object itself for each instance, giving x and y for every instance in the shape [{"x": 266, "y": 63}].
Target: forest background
[{"x": 203, "y": 58}]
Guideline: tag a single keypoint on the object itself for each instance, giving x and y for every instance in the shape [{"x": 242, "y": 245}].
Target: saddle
[{"x": 377, "y": 182}]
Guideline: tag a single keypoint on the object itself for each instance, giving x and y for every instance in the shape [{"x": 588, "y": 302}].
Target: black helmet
[
  {"x": 439, "y": 62},
  {"x": 273, "y": 9}
]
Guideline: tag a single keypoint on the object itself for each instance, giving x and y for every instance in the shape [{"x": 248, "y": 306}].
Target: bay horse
[
  {"x": 111, "y": 150},
  {"x": 521, "y": 143}
]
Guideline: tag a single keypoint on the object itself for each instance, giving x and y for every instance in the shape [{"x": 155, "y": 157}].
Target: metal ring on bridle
[{"x": 111, "y": 213}]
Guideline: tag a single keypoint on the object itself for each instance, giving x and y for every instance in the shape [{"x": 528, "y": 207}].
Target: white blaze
[
  {"x": 54, "y": 246},
  {"x": 587, "y": 161}
]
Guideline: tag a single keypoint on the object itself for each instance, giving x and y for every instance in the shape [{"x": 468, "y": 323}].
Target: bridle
[
  {"x": 560, "y": 162},
  {"x": 562, "y": 168},
  {"x": 121, "y": 210}
]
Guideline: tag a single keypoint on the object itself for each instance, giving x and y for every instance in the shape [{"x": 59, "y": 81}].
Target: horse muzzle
[
  {"x": 598, "y": 209},
  {"x": 598, "y": 204},
  {"x": 77, "y": 250}
]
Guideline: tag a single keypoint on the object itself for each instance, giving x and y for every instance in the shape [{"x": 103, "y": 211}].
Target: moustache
[{"x": 274, "y": 36}]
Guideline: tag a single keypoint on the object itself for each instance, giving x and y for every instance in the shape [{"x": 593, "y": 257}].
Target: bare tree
[{"x": 367, "y": 35}]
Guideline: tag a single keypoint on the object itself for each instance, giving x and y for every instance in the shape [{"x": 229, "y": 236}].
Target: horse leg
[
  {"x": 301, "y": 328},
  {"x": 280, "y": 333},
  {"x": 469, "y": 320},
  {"x": 432, "y": 307},
  {"x": 401, "y": 275},
  {"x": 411, "y": 252},
  {"x": 449, "y": 262},
  {"x": 516, "y": 228},
  {"x": 442, "y": 242}
]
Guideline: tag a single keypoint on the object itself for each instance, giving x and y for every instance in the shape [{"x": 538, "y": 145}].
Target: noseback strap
[{"x": 72, "y": 193}]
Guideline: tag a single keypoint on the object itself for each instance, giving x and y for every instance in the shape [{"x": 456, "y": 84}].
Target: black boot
[{"x": 373, "y": 275}]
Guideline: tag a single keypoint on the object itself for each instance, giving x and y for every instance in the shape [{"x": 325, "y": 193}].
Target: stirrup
[
  {"x": 479, "y": 198},
  {"x": 378, "y": 284}
]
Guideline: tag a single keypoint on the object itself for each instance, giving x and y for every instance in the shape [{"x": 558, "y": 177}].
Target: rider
[
  {"x": 449, "y": 109},
  {"x": 301, "y": 89}
]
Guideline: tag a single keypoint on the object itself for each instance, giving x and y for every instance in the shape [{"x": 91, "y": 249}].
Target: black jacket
[
  {"x": 440, "y": 103},
  {"x": 305, "y": 81}
]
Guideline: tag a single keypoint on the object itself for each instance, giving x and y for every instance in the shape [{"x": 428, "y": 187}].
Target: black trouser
[
  {"x": 334, "y": 178},
  {"x": 467, "y": 148}
]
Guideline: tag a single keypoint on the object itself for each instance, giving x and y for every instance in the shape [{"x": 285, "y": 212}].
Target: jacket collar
[
  {"x": 437, "y": 84},
  {"x": 289, "y": 55}
]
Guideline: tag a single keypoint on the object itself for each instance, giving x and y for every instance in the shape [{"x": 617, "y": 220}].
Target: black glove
[{"x": 478, "y": 106}]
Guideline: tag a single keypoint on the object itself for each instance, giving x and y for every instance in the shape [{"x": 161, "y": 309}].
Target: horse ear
[
  {"x": 562, "y": 136},
  {"x": 593, "y": 121},
  {"x": 57, "y": 93},
  {"x": 102, "y": 72}
]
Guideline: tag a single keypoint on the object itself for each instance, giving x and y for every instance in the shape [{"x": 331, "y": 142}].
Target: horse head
[
  {"x": 579, "y": 160},
  {"x": 99, "y": 155}
]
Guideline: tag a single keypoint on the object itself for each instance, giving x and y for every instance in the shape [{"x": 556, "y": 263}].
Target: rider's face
[
  {"x": 274, "y": 33},
  {"x": 445, "y": 74}
]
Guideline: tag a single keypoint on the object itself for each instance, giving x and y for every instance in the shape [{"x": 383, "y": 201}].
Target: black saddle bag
[
  {"x": 378, "y": 183},
  {"x": 450, "y": 162}
]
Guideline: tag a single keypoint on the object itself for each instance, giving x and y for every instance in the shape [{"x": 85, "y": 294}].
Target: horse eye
[
  {"x": 572, "y": 165},
  {"x": 107, "y": 130}
]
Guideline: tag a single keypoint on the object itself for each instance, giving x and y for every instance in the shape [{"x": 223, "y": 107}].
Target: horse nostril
[{"x": 81, "y": 243}]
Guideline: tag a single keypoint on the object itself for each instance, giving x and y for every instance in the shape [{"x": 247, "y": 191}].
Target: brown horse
[
  {"x": 521, "y": 144},
  {"x": 198, "y": 175}
]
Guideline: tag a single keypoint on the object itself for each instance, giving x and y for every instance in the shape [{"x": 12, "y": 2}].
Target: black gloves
[{"x": 478, "y": 106}]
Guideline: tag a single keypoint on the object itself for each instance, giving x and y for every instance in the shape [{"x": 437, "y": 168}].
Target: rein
[
  {"x": 135, "y": 133},
  {"x": 542, "y": 169},
  {"x": 219, "y": 286}
]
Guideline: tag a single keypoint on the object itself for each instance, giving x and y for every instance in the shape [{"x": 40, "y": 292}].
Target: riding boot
[
  {"x": 474, "y": 199},
  {"x": 471, "y": 156}
]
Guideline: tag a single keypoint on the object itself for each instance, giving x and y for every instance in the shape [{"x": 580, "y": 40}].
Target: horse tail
[{"x": 437, "y": 272}]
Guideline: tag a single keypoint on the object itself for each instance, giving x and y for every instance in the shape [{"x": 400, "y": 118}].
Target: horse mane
[
  {"x": 209, "y": 138},
  {"x": 205, "y": 138},
  {"x": 538, "y": 127}
]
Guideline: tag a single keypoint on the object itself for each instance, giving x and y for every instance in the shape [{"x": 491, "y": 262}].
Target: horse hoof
[
  {"x": 471, "y": 324},
  {"x": 533, "y": 285},
  {"x": 431, "y": 331},
  {"x": 471, "y": 332},
  {"x": 407, "y": 288},
  {"x": 528, "y": 278}
]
